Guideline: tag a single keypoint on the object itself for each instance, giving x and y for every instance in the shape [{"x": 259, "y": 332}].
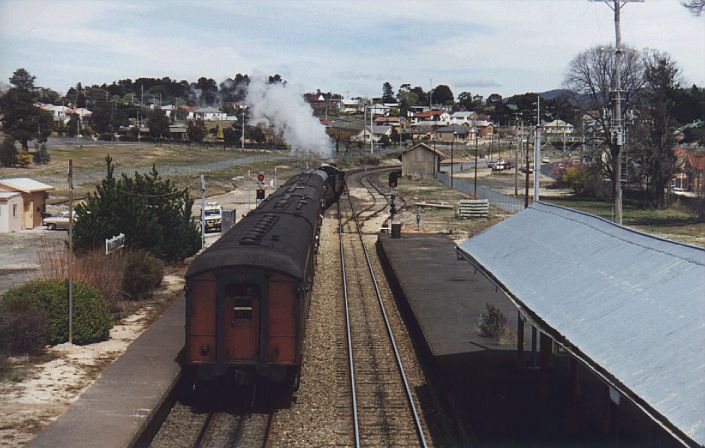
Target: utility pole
[
  {"x": 452, "y": 161},
  {"x": 537, "y": 151},
  {"x": 474, "y": 188},
  {"x": 372, "y": 143},
  {"x": 526, "y": 184},
  {"x": 517, "y": 148},
  {"x": 203, "y": 211},
  {"x": 616, "y": 124},
  {"x": 70, "y": 260},
  {"x": 242, "y": 139}
]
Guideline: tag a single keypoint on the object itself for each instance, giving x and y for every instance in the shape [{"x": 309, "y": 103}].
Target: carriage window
[{"x": 242, "y": 308}]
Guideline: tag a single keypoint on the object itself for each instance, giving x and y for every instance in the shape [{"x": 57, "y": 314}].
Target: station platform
[
  {"x": 115, "y": 411},
  {"x": 443, "y": 295}
]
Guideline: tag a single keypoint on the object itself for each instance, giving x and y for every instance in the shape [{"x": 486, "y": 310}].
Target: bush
[
  {"x": 143, "y": 272},
  {"x": 492, "y": 323},
  {"x": 103, "y": 272},
  {"x": 23, "y": 330},
  {"x": 91, "y": 318}
]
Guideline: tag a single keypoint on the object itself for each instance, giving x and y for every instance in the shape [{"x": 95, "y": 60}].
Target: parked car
[
  {"x": 502, "y": 165},
  {"x": 61, "y": 221},
  {"x": 545, "y": 159},
  {"x": 523, "y": 169},
  {"x": 213, "y": 215}
]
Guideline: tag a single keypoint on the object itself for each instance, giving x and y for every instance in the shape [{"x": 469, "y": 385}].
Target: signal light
[{"x": 260, "y": 177}]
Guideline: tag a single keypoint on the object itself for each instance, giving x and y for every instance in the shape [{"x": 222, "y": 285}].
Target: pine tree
[
  {"x": 151, "y": 212},
  {"x": 8, "y": 152}
]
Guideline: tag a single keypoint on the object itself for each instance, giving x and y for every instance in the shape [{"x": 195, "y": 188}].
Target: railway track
[
  {"x": 231, "y": 419},
  {"x": 385, "y": 411}
]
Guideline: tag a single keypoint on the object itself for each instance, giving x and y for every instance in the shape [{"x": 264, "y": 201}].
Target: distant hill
[{"x": 555, "y": 93}]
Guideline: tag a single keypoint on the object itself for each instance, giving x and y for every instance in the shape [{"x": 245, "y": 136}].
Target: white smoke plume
[{"x": 284, "y": 109}]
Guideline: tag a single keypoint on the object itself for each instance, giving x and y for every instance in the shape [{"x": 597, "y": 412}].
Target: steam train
[{"x": 247, "y": 296}]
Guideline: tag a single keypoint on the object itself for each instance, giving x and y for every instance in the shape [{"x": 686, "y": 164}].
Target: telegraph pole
[
  {"x": 616, "y": 122},
  {"x": 70, "y": 260},
  {"x": 203, "y": 211},
  {"x": 537, "y": 152}
]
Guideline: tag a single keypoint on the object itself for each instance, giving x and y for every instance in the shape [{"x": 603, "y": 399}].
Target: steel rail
[
  {"x": 204, "y": 430},
  {"x": 402, "y": 373},
  {"x": 356, "y": 423}
]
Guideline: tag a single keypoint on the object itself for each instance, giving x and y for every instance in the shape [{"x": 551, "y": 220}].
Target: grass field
[{"x": 676, "y": 223}]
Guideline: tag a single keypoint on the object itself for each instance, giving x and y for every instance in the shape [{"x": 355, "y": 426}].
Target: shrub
[
  {"x": 91, "y": 318},
  {"x": 143, "y": 272},
  {"x": 492, "y": 323},
  {"x": 103, "y": 272},
  {"x": 23, "y": 330}
]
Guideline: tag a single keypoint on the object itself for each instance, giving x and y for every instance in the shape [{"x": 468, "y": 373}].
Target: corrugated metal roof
[
  {"x": 632, "y": 304},
  {"x": 8, "y": 194},
  {"x": 24, "y": 184}
]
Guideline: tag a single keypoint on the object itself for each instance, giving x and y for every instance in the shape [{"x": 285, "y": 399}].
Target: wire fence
[{"x": 509, "y": 204}]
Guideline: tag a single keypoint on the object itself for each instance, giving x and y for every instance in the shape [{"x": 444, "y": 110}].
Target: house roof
[
  {"x": 628, "y": 305},
  {"x": 462, "y": 114},
  {"x": 5, "y": 195},
  {"x": 457, "y": 128},
  {"x": 379, "y": 129},
  {"x": 426, "y": 147},
  {"x": 208, "y": 110},
  {"x": 558, "y": 123},
  {"x": 24, "y": 184},
  {"x": 430, "y": 113}
]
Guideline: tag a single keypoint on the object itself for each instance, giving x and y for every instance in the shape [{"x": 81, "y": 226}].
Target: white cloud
[{"x": 509, "y": 45}]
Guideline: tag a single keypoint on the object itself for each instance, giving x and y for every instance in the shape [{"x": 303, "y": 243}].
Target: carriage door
[{"x": 241, "y": 322}]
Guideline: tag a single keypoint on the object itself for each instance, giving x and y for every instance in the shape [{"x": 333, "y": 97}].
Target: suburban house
[
  {"x": 178, "y": 132},
  {"x": 209, "y": 114},
  {"x": 455, "y": 133},
  {"x": 395, "y": 122},
  {"x": 10, "y": 211},
  {"x": 377, "y": 133},
  {"x": 484, "y": 128},
  {"x": 558, "y": 127},
  {"x": 462, "y": 117},
  {"x": 418, "y": 132},
  {"x": 421, "y": 161},
  {"x": 431, "y": 115},
  {"x": 379, "y": 109},
  {"x": 349, "y": 106},
  {"x": 33, "y": 198},
  {"x": 690, "y": 166},
  {"x": 58, "y": 113}
]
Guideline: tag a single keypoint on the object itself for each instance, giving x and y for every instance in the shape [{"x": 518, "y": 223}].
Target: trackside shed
[{"x": 421, "y": 161}]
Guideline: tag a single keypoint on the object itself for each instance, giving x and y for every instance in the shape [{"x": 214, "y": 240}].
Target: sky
[{"x": 348, "y": 47}]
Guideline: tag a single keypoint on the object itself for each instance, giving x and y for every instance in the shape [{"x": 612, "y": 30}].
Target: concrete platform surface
[
  {"x": 444, "y": 294},
  {"x": 117, "y": 407}
]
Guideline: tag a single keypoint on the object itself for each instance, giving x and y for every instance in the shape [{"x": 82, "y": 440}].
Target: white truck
[{"x": 213, "y": 216}]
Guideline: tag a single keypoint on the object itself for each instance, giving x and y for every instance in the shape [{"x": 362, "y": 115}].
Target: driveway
[{"x": 19, "y": 260}]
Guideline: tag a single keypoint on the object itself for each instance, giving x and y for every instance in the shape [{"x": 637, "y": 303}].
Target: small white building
[
  {"x": 462, "y": 117},
  {"x": 379, "y": 109},
  {"x": 377, "y": 133},
  {"x": 10, "y": 211},
  {"x": 209, "y": 114},
  {"x": 58, "y": 113},
  {"x": 558, "y": 127},
  {"x": 349, "y": 106}
]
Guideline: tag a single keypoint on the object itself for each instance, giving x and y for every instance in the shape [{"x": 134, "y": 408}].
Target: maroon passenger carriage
[{"x": 247, "y": 295}]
